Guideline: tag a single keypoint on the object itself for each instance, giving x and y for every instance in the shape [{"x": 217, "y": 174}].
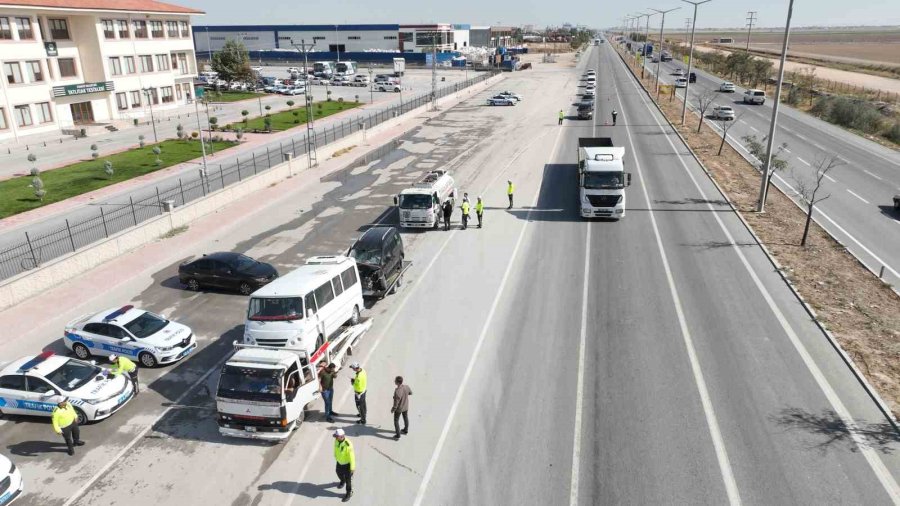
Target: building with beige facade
[{"x": 73, "y": 64}]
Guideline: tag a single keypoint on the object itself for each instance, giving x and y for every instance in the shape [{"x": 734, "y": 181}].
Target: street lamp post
[
  {"x": 200, "y": 131},
  {"x": 337, "y": 47},
  {"x": 371, "y": 86},
  {"x": 690, "y": 57},
  {"x": 662, "y": 25},
  {"x": 764, "y": 184},
  {"x": 646, "y": 41},
  {"x": 152, "y": 121}
]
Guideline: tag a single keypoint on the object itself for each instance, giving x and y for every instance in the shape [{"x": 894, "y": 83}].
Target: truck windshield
[
  {"x": 275, "y": 309},
  {"x": 603, "y": 180},
  {"x": 250, "y": 383},
  {"x": 342, "y": 67},
  {"x": 415, "y": 201},
  {"x": 73, "y": 375}
]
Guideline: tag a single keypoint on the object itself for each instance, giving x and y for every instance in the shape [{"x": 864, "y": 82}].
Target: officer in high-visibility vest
[
  {"x": 562, "y": 116},
  {"x": 509, "y": 193},
  {"x": 465, "y": 214},
  {"x": 479, "y": 210},
  {"x": 359, "y": 390},
  {"x": 345, "y": 460},
  {"x": 65, "y": 422},
  {"x": 123, "y": 364}
]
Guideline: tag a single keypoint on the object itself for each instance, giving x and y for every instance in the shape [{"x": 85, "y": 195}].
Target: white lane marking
[
  {"x": 881, "y": 472},
  {"x": 833, "y": 180},
  {"x": 731, "y": 488},
  {"x": 857, "y": 196},
  {"x": 113, "y": 461},
  {"x": 579, "y": 388},
  {"x": 801, "y": 137},
  {"x": 423, "y": 487},
  {"x": 753, "y": 128},
  {"x": 876, "y": 176},
  {"x": 786, "y": 150},
  {"x": 804, "y": 162}
]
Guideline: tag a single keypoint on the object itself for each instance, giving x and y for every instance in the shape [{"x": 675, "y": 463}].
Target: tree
[
  {"x": 725, "y": 126},
  {"x": 244, "y": 114},
  {"x": 37, "y": 185},
  {"x": 808, "y": 189},
  {"x": 760, "y": 68},
  {"x": 290, "y": 103},
  {"x": 212, "y": 122},
  {"x": 757, "y": 148},
  {"x": 239, "y": 134},
  {"x": 267, "y": 123},
  {"x": 704, "y": 100},
  {"x": 141, "y": 140},
  {"x": 157, "y": 152},
  {"x": 108, "y": 168},
  {"x": 232, "y": 62},
  {"x": 94, "y": 153},
  {"x": 179, "y": 131}
]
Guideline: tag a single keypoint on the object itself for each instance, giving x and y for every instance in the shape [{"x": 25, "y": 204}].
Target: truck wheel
[
  {"x": 354, "y": 320},
  {"x": 397, "y": 284}
]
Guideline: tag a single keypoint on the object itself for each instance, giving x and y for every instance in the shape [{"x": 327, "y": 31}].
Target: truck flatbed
[{"x": 392, "y": 283}]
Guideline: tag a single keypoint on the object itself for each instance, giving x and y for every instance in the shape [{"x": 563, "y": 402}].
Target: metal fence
[{"x": 147, "y": 203}]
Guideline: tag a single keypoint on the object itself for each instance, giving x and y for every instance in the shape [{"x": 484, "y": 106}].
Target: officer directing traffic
[
  {"x": 479, "y": 210},
  {"x": 123, "y": 364},
  {"x": 465, "y": 214},
  {"x": 65, "y": 421},
  {"x": 359, "y": 390},
  {"x": 345, "y": 462}
]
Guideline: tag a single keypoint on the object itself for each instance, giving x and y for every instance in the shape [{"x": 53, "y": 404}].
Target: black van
[
  {"x": 379, "y": 258},
  {"x": 692, "y": 78},
  {"x": 586, "y": 111}
]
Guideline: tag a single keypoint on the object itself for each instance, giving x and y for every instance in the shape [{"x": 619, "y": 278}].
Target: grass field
[
  {"x": 82, "y": 177},
  {"x": 232, "y": 96},
  {"x": 286, "y": 119}
]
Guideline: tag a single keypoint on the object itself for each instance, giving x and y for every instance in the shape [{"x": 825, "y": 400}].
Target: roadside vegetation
[
  {"x": 230, "y": 96},
  {"x": 293, "y": 117}
]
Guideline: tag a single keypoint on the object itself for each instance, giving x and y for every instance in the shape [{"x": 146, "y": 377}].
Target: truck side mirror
[
  {"x": 628, "y": 179},
  {"x": 396, "y": 201},
  {"x": 309, "y": 313}
]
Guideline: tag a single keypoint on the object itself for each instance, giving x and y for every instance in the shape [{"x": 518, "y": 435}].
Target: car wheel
[
  {"x": 193, "y": 285},
  {"x": 397, "y": 284},
  {"x": 81, "y": 351},
  {"x": 80, "y": 417},
  {"x": 246, "y": 288},
  {"x": 147, "y": 359}
]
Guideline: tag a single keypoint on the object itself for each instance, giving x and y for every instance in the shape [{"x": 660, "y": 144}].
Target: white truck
[
  {"x": 345, "y": 68},
  {"x": 420, "y": 205},
  {"x": 264, "y": 392},
  {"x": 601, "y": 178},
  {"x": 399, "y": 67}
]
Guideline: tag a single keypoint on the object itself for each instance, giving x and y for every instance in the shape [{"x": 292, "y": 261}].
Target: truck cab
[
  {"x": 601, "y": 178},
  {"x": 420, "y": 205}
]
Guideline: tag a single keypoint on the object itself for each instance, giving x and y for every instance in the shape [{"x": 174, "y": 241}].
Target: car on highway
[
  {"x": 586, "y": 110},
  {"x": 681, "y": 82},
  {"x": 34, "y": 385},
  {"x": 692, "y": 77},
  {"x": 589, "y": 93},
  {"x": 500, "y": 100},
  {"x": 727, "y": 87},
  {"x": 725, "y": 112},
  {"x": 393, "y": 88},
  {"x": 11, "y": 484},
  {"x": 754, "y": 96},
  {"x": 227, "y": 270},
  {"x": 131, "y": 332},
  {"x": 678, "y": 72},
  {"x": 897, "y": 202},
  {"x": 379, "y": 259},
  {"x": 591, "y": 79},
  {"x": 514, "y": 96}
]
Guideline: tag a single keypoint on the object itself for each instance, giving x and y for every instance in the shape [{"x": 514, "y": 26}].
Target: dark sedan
[{"x": 230, "y": 271}]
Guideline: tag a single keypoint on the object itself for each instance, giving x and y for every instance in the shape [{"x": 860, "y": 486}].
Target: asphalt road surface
[
  {"x": 654, "y": 360},
  {"x": 860, "y": 211}
]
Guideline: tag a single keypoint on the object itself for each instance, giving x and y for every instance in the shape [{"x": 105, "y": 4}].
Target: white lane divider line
[
  {"x": 579, "y": 388},
  {"x": 876, "y": 176},
  {"x": 786, "y": 150},
  {"x": 833, "y": 180},
  {"x": 753, "y": 128},
  {"x": 857, "y": 196},
  {"x": 731, "y": 488},
  {"x": 804, "y": 162}
]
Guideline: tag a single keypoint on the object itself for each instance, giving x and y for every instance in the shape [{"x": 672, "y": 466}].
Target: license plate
[
  {"x": 250, "y": 429},
  {"x": 186, "y": 352}
]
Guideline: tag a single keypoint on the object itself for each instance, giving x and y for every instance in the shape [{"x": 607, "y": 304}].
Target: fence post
[
  {"x": 268, "y": 158},
  {"x": 254, "y": 163},
  {"x": 221, "y": 176},
  {"x": 103, "y": 219},
  {"x": 71, "y": 239},
  {"x": 181, "y": 188},
  {"x": 31, "y": 248},
  {"x": 133, "y": 214},
  {"x": 158, "y": 200},
  {"x": 293, "y": 149},
  {"x": 280, "y": 148}
]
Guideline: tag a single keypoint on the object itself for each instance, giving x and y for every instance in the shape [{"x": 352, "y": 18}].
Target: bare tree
[
  {"x": 704, "y": 100},
  {"x": 757, "y": 148},
  {"x": 725, "y": 125},
  {"x": 808, "y": 189}
]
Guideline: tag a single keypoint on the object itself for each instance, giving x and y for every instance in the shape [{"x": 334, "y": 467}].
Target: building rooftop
[{"x": 103, "y": 5}]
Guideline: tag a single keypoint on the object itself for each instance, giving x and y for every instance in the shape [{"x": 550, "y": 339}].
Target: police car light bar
[
  {"x": 31, "y": 364},
  {"x": 117, "y": 313}
]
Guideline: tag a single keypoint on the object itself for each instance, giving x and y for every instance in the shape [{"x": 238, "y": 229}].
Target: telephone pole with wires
[
  {"x": 434, "y": 72},
  {"x": 751, "y": 20},
  {"x": 304, "y": 48}
]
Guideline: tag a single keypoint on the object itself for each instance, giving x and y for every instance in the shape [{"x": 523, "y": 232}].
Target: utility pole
[
  {"x": 751, "y": 19},
  {"x": 310, "y": 127},
  {"x": 646, "y": 41},
  {"x": 434, "y": 72},
  {"x": 764, "y": 185},
  {"x": 687, "y": 28},
  {"x": 147, "y": 92},
  {"x": 662, "y": 25},
  {"x": 690, "y": 56}
]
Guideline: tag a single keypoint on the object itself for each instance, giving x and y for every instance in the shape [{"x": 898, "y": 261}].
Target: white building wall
[{"x": 353, "y": 40}]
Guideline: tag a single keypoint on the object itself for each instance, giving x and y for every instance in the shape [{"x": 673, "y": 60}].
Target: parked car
[
  {"x": 11, "y": 481},
  {"x": 754, "y": 96},
  {"x": 681, "y": 83},
  {"x": 387, "y": 87},
  {"x": 723, "y": 112},
  {"x": 514, "y": 96},
  {"x": 295, "y": 90},
  {"x": 727, "y": 87},
  {"x": 379, "y": 259},
  {"x": 231, "y": 271},
  {"x": 589, "y": 93},
  {"x": 340, "y": 81},
  {"x": 499, "y": 100},
  {"x": 293, "y": 70}
]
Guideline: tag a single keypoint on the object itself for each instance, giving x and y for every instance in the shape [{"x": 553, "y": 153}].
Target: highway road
[
  {"x": 655, "y": 360},
  {"x": 860, "y": 211}
]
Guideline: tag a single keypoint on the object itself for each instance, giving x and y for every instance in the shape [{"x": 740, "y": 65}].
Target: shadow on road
[
  {"x": 311, "y": 490},
  {"x": 35, "y": 448},
  {"x": 831, "y": 430},
  {"x": 890, "y": 212}
]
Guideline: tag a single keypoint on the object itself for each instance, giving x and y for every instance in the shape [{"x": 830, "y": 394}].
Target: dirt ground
[
  {"x": 861, "y": 312},
  {"x": 843, "y": 52}
]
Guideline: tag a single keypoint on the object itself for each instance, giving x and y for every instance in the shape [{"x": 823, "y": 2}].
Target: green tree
[
  {"x": 244, "y": 115},
  {"x": 157, "y": 152},
  {"x": 94, "y": 153},
  {"x": 108, "y": 168},
  {"x": 232, "y": 62}
]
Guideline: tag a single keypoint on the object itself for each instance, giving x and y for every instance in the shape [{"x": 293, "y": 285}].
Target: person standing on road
[
  {"x": 401, "y": 406},
  {"x": 509, "y": 192},
  {"x": 614, "y": 114},
  {"x": 124, "y": 364},
  {"x": 447, "y": 211},
  {"x": 479, "y": 210},
  {"x": 562, "y": 116},
  {"x": 359, "y": 390},
  {"x": 65, "y": 422},
  {"x": 326, "y": 386},
  {"x": 465, "y": 214},
  {"x": 345, "y": 460}
]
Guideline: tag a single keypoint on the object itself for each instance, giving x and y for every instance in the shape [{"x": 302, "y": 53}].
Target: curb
[{"x": 873, "y": 394}]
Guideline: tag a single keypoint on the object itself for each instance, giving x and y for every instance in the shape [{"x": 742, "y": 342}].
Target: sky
[{"x": 594, "y": 13}]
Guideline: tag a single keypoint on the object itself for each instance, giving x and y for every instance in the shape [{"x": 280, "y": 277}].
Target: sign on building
[
  {"x": 82, "y": 89},
  {"x": 50, "y": 47}
]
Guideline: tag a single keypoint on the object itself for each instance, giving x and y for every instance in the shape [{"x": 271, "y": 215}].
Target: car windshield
[
  {"x": 602, "y": 180},
  {"x": 367, "y": 255},
  {"x": 250, "y": 383},
  {"x": 73, "y": 375},
  {"x": 242, "y": 262},
  {"x": 146, "y": 325},
  {"x": 275, "y": 309},
  {"x": 415, "y": 201}
]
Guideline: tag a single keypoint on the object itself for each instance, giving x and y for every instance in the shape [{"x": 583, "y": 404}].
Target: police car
[
  {"x": 134, "y": 333},
  {"x": 35, "y": 385},
  {"x": 11, "y": 484}
]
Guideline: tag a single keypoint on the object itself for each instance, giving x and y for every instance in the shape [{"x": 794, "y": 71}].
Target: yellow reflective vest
[
  {"x": 121, "y": 365},
  {"x": 359, "y": 381},
  {"x": 63, "y": 417},
  {"x": 479, "y": 207},
  {"x": 510, "y": 188},
  {"x": 343, "y": 453},
  {"x": 465, "y": 207},
  {"x": 562, "y": 115}
]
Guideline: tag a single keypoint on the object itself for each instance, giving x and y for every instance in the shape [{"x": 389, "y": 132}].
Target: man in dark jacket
[
  {"x": 401, "y": 406},
  {"x": 447, "y": 210}
]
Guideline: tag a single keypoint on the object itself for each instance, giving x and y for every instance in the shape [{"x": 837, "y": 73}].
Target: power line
[
  {"x": 751, "y": 19},
  {"x": 304, "y": 48}
]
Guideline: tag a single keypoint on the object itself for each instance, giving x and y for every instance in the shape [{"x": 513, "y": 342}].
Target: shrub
[
  {"x": 893, "y": 133},
  {"x": 340, "y": 100},
  {"x": 239, "y": 134},
  {"x": 290, "y": 103},
  {"x": 267, "y": 122},
  {"x": 213, "y": 122},
  {"x": 37, "y": 185},
  {"x": 194, "y": 135},
  {"x": 108, "y": 168},
  {"x": 244, "y": 113},
  {"x": 94, "y": 153},
  {"x": 135, "y": 121},
  {"x": 179, "y": 131},
  {"x": 141, "y": 140},
  {"x": 268, "y": 108},
  {"x": 157, "y": 152}
]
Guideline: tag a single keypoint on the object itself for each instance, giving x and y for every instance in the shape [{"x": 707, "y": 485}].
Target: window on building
[
  {"x": 140, "y": 29},
  {"x": 167, "y": 96},
  {"x": 59, "y": 29},
  {"x": 178, "y": 93},
  {"x": 23, "y": 116},
  {"x": 353, "y": 37},
  {"x": 156, "y": 29},
  {"x": 129, "y": 65},
  {"x": 184, "y": 29},
  {"x": 172, "y": 29},
  {"x": 135, "y": 99},
  {"x": 187, "y": 90},
  {"x": 406, "y": 37},
  {"x": 35, "y": 71},
  {"x": 67, "y": 67},
  {"x": 182, "y": 63},
  {"x": 162, "y": 62},
  {"x": 122, "y": 28},
  {"x": 390, "y": 37},
  {"x": 146, "y": 63},
  {"x": 174, "y": 59},
  {"x": 318, "y": 38},
  {"x": 337, "y": 47},
  {"x": 122, "y": 101},
  {"x": 25, "y": 30},
  {"x": 13, "y": 72},
  {"x": 5, "y": 29},
  {"x": 44, "y": 113},
  {"x": 109, "y": 28},
  {"x": 115, "y": 66},
  {"x": 3, "y": 125},
  {"x": 154, "y": 96}
]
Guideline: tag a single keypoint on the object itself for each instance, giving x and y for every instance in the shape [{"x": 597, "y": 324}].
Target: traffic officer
[
  {"x": 509, "y": 192},
  {"x": 65, "y": 422},
  {"x": 447, "y": 211},
  {"x": 359, "y": 382},
  {"x": 562, "y": 116},
  {"x": 479, "y": 210},
  {"x": 345, "y": 462},
  {"x": 124, "y": 364},
  {"x": 465, "y": 214},
  {"x": 614, "y": 114}
]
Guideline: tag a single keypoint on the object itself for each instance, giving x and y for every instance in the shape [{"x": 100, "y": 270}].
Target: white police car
[
  {"x": 11, "y": 484},
  {"x": 35, "y": 385},
  {"x": 134, "y": 333}
]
